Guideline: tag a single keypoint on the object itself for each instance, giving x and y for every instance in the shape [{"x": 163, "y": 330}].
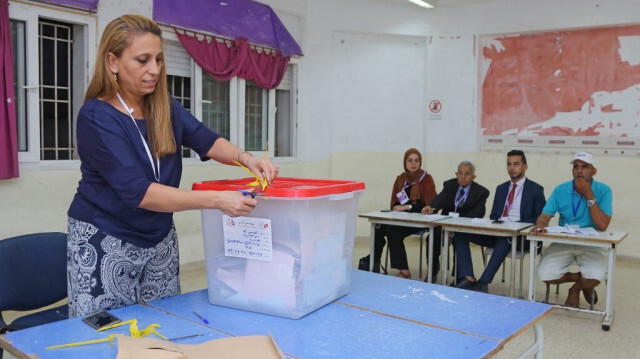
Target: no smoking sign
[{"x": 435, "y": 106}]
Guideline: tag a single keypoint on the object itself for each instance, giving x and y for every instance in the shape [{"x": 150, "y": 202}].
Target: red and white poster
[{"x": 562, "y": 83}]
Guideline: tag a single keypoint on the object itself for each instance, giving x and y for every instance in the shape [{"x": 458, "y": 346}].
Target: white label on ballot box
[{"x": 247, "y": 237}]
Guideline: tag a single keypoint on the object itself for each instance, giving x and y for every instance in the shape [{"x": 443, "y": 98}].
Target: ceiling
[{"x": 444, "y": 3}]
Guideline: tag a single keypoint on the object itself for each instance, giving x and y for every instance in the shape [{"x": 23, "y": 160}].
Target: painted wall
[
  {"x": 451, "y": 75},
  {"x": 361, "y": 132}
]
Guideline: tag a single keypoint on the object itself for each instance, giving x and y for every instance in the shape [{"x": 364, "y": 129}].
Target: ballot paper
[{"x": 572, "y": 229}]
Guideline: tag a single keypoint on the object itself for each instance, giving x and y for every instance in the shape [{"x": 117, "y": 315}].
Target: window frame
[
  {"x": 237, "y": 111},
  {"x": 83, "y": 47}
]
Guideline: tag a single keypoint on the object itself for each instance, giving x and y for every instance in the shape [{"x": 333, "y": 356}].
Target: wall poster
[{"x": 562, "y": 89}]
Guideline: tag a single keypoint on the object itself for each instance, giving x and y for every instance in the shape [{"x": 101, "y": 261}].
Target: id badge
[
  {"x": 402, "y": 197},
  {"x": 454, "y": 214}
]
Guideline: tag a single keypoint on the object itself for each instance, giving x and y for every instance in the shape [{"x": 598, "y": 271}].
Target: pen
[
  {"x": 201, "y": 317},
  {"x": 247, "y": 193},
  {"x": 186, "y": 337}
]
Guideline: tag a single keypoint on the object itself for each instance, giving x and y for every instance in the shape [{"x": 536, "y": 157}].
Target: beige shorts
[{"x": 559, "y": 257}]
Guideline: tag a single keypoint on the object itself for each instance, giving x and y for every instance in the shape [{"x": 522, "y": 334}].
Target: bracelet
[{"x": 239, "y": 154}]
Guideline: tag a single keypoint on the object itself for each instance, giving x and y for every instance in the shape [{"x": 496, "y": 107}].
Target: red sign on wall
[{"x": 435, "y": 106}]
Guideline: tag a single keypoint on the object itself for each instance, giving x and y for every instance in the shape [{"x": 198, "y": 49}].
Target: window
[
  {"x": 255, "y": 117},
  {"x": 179, "y": 73},
  {"x": 251, "y": 117},
  {"x": 51, "y": 56},
  {"x": 285, "y": 120},
  {"x": 180, "y": 88},
  {"x": 19, "y": 81},
  {"x": 215, "y": 105},
  {"x": 56, "y": 123}
]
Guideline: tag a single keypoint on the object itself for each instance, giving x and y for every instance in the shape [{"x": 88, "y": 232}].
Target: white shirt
[{"x": 514, "y": 210}]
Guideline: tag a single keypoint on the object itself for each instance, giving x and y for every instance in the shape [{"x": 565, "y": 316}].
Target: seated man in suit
[
  {"x": 517, "y": 200},
  {"x": 460, "y": 197},
  {"x": 584, "y": 202}
]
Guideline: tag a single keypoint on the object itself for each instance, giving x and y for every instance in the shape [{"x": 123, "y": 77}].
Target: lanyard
[
  {"x": 411, "y": 184},
  {"x": 144, "y": 142},
  {"x": 573, "y": 206}
]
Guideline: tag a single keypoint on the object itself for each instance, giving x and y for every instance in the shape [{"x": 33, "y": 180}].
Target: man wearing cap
[{"x": 586, "y": 203}]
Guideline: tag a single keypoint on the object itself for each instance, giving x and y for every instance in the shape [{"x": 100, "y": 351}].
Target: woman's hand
[
  {"x": 161, "y": 198},
  {"x": 235, "y": 204},
  {"x": 262, "y": 167},
  {"x": 402, "y": 208}
]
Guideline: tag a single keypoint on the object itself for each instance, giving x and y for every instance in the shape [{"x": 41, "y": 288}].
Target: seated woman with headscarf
[{"x": 412, "y": 191}]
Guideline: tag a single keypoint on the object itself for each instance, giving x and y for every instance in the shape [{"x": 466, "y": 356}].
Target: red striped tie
[{"x": 505, "y": 213}]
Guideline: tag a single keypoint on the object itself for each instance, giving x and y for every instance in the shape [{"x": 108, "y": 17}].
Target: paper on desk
[
  {"x": 481, "y": 220},
  {"x": 435, "y": 216},
  {"x": 572, "y": 230},
  {"x": 245, "y": 347}
]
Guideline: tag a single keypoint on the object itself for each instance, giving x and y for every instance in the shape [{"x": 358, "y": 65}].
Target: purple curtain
[
  {"x": 91, "y": 5},
  {"x": 8, "y": 134},
  {"x": 231, "y": 19},
  {"x": 223, "y": 62}
]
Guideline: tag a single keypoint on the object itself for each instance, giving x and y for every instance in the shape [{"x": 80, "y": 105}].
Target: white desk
[
  {"x": 606, "y": 239},
  {"x": 467, "y": 225},
  {"x": 405, "y": 219}
]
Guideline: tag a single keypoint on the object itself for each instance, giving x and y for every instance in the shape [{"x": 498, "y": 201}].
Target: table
[
  {"x": 29, "y": 342},
  {"x": 485, "y": 227},
  {"x": 382, "y": 316},
  {"x": 501, "y": 318},
  {"x": 405, "y": 219},
  {"x": 605, "y": 239}
]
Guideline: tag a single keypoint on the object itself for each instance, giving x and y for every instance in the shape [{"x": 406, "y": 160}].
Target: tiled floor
[{"x": 567, "y": 334}]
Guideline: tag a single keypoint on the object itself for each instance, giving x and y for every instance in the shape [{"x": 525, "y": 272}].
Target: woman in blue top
[{"x": 122, "y": 242}]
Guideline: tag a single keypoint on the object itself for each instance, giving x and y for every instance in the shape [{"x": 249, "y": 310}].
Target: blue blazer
[{"x": 531, "y": 203}]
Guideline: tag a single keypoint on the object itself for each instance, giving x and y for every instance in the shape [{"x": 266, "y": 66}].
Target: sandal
[
  {"x": 404, "y": 275},
  {"x": 588, "y": 297}
]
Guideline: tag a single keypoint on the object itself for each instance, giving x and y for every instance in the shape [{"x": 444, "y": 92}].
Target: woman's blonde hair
[{"x": 117, "y": 36}]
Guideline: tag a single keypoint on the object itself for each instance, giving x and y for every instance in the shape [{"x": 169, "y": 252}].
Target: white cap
[{"x": 584, "y": 157}]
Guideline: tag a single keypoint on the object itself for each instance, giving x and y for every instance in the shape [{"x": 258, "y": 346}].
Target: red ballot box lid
[{"x": 286, "y": 187}]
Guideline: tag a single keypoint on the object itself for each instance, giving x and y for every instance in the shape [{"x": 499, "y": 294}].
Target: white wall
[
  {"x": 451, "y": 76},
  {"x": 344, "y": 135}
]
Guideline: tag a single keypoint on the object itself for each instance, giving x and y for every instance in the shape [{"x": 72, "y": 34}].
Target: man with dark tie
[
  {"x": 517, "y": 200},
  {"x": 460, "y": 197}
]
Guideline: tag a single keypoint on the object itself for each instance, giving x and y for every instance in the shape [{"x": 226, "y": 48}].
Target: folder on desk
[
  {"x": 243, "y": 347},
  {"x": 572, "y": 230}
]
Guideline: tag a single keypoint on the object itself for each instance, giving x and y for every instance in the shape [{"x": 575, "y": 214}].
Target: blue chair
[{"x": 33, "y": 275}]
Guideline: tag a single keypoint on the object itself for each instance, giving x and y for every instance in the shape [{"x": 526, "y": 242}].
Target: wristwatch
[
  {"x": 410, "y": 206},
  {"x": 591, "y": 202}
]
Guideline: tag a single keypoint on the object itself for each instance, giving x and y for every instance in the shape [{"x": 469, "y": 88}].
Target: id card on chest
[{"x": 402, "y": 197}]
